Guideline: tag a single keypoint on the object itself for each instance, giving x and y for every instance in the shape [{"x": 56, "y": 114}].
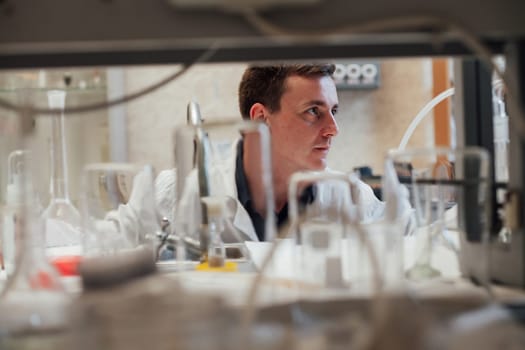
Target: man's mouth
[{"x": 323, "y": 148}]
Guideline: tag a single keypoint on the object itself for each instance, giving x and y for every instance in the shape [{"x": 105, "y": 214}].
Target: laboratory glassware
[
  {"x": 501, "y": 132},
  {"x": 34, "y": 304},
  {"x": 17, "y": 163},
  {"x": 448, "y": 191},
  {"x": 215, "y": 227},
  {"x": 62, "y": 219},
  {"x": 118, "y": 208},
  {"x": 206, "y": 158},
  {"x": 320, "y": 213}
]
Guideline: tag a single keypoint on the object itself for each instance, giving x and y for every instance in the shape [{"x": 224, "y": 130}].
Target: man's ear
[{"x": 258, "y": 112}]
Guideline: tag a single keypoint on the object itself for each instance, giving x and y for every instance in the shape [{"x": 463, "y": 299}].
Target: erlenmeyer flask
[
  {"x": 34, "y": 302},
  {"x": 62, "y": 220}
]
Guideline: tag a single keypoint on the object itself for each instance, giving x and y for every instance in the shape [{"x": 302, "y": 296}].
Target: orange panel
[{"x": 441, "y": 83}]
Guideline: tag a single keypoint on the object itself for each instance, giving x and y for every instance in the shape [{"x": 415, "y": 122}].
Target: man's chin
[{"x": 318, "y": 165}]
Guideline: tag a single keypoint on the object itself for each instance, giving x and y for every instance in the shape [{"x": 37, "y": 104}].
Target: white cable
[{"x": 421, "y": 115}]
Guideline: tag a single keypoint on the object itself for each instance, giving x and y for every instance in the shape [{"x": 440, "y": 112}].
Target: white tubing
[{"x": 421, "y": 115}]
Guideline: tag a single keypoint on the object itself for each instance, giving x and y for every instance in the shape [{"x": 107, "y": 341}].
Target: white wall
[
  {"x": 151, "y": 120},
  {"x": 371, "y": 122}
]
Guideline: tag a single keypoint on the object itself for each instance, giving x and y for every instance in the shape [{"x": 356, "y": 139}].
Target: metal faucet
[
  {"x": 202, "y": 154},
  {"x": 199, "y": 160}
]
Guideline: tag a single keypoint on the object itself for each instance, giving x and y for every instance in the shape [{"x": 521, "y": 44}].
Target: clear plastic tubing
[{"x": 422, "y": 114}]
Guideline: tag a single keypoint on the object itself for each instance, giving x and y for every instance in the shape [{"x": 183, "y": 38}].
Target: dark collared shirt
[{"x": 245, "y": 198}]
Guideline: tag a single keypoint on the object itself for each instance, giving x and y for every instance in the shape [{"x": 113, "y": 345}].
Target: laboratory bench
[{"x": 177, "y": 302}]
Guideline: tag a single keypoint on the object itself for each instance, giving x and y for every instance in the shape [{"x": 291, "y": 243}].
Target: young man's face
[{"x": 303, "y": 128}]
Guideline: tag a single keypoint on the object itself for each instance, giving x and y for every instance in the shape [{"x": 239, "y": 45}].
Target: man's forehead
[{"x": 318, "y": 90}]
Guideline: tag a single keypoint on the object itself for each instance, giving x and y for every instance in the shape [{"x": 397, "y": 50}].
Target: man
[{"x": 299, "y": 104}]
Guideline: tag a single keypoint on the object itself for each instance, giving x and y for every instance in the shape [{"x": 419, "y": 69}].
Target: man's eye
[
  {"x": 314, "y": 111},
  {"x": 334, "y": 111}
]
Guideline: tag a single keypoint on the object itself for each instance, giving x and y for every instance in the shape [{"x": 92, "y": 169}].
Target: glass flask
[
  {"x": 449, "y": 210},
  {"x": 118, "y": 208},
  {"x": 61, "y": 218},
  {"x": 34, "y": 304},
  {"x": 17, "y": 163}
]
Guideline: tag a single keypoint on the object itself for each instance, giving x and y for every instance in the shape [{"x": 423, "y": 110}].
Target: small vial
[{"x": 216, "y": 249}]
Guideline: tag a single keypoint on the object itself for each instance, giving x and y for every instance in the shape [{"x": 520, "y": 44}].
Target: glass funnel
[{"x": 62, "y": 220}]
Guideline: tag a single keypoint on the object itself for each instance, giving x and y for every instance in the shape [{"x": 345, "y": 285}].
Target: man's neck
[
  {"x": 253, "y": 171},
  {"x": 280, "y": 187},
  {"x": 252, "y": 164}
]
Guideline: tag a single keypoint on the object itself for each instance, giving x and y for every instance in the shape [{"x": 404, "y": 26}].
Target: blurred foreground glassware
[
  {"x": 501, "y": 132},
  {"x": 119, "y": 209},
  {"x": 34, "y": 299},
  {"x": 206, "y": 162},
  {"x": 216, "y": 249},
  {"x": 62, "y": 219},
  {"x": 33, "y": 304},
  {"x": 321, "y": 212},
  {"x": 448, "y": 190},
  {"x": 17, "y": 164},
  {"x": 323, "y": 216}
]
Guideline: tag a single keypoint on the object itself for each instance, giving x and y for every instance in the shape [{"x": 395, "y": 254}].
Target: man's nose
[{"x": 330, "y": 127}]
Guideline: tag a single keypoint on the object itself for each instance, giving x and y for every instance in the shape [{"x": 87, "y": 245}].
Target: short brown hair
[{"x": 266, "y": 84}]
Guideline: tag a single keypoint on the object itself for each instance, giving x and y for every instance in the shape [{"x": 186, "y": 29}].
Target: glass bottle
[
  {"x": 501, "y": 132},
  {"x": 16, "y": 165},
  {"x": 33, "y": 305},
  {"x": 216, "y": 249},
  {"x": 62, "y": 219}
]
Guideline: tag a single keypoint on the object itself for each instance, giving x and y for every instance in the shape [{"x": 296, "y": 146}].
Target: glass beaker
[
  {"x": 448, "y": 190},
  {"x": 321, "y": 211},
  {"x": 118, "y": 208},
  {"x": 62, "y": 220}
]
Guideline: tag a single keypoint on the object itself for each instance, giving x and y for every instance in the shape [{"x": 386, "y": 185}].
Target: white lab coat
[{"x": 222, "y": 183}]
